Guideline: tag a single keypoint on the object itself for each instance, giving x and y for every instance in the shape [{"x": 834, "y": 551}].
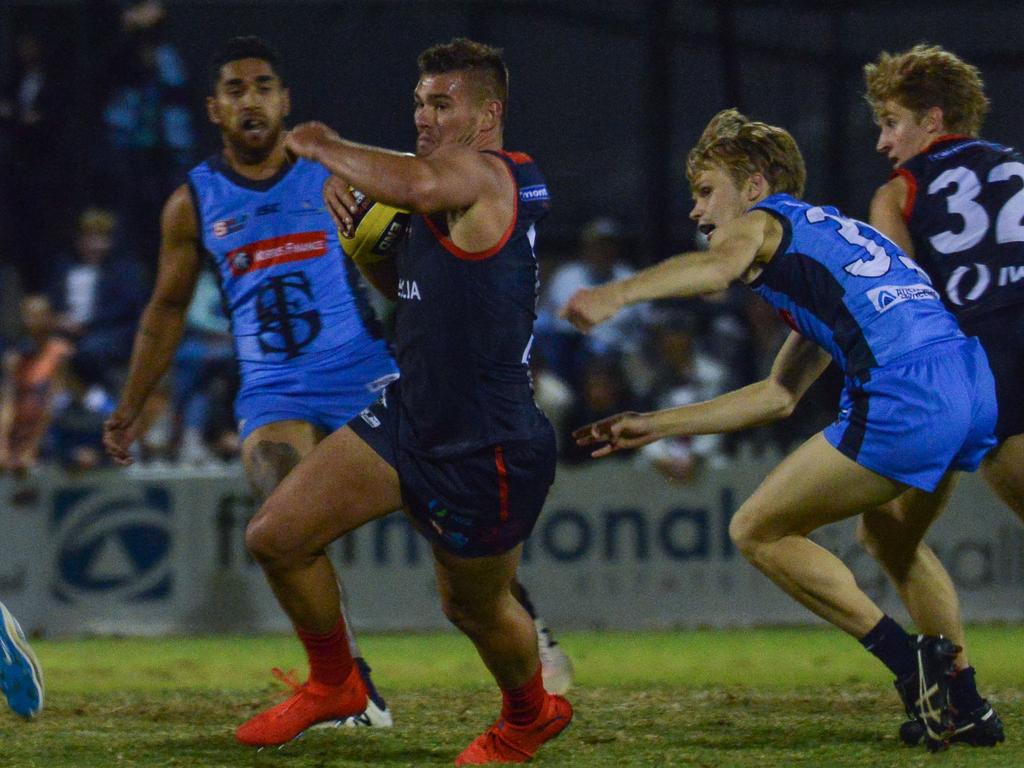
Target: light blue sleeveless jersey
[
  {"x": 844, "y": 285},
  {"x": 289, "y": 290}
]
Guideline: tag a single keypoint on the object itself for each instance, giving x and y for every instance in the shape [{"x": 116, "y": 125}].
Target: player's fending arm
[
  {"x": 735, "y": 248},
  {"x": 886, "y": 213},
  {"x": 162, "y": 322},
  {"x": 453, "y": 178},
  {"x": 798, "y": 365}
]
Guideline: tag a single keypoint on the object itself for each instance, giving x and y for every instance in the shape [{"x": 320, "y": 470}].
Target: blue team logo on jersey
[
  {"x": 534, "y": 194},
  {"x": 285, "y": 327},
  {"x": 112, "y": 544}
]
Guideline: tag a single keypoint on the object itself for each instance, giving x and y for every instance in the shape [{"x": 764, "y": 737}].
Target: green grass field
[{"x": 782, "y": 697}]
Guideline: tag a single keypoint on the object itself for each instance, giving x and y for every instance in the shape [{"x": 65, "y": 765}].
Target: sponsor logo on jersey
[
  {"x": 885, "y": 297},
  {"x": 534, "y": 193},
  {"x": 981, "y": 283},
  {"x": 307, "y": 207},
  {"x": 408, "y": 289},
  {"x": 226, "y": 227},
  {"x": 276, "y": 250},
  {"x": 269, "y": 208}
]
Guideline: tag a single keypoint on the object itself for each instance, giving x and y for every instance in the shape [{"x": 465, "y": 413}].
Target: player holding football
[
  {"x": 309, "y": 350},
  {"x": 953, "y": 204},
  {"x": 21, "y": 677},
  {"x": 458, "y": 441},
  {"x": 919, "y": 395}
]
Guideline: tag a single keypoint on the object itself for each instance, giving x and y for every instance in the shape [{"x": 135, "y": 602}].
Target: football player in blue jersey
[
  {"x": 21, "y": 677},
  {"x": 954, "y": 204},
  {"x": 919, "y": 397},
  {"x": 458, "y": 442},
  {"x": 309, "y": 355}
]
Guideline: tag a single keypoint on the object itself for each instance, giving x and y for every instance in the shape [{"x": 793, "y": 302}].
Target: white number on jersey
[
  {"x": 880, "y": 261},
  {"x": 961, "y": 202}
]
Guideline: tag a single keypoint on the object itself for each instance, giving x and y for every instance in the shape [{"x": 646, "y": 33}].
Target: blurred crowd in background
[{"x": 74, "y": 280}]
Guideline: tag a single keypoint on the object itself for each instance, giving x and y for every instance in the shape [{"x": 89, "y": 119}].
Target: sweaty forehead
[{"x": 441, "y": 84}]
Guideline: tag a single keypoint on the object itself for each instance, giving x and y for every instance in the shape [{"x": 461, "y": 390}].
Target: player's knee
[
  {"x": 745, "y": 532},
  {"x": 264, "y": 541}
]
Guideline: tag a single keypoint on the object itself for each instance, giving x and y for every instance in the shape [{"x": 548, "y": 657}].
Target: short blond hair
[
  {"x": 743, "y": 147},
  {"x": 929, "y": 76}
]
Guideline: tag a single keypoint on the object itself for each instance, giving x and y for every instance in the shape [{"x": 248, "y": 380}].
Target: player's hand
[
  {"x": 618, "y": 433},
  {"x": 590, "y": 306},
  {"x": 306, "y": 139},
  {"x": 118, "y": 436},
  {"x": 342, "y": 204}
]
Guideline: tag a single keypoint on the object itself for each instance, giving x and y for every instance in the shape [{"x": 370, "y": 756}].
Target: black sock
[
  {"x": 963, "y": 691},
  {"x": 891, "y": 644}
]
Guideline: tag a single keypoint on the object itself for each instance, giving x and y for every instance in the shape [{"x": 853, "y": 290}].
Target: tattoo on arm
[{"x": 268, "y": 465}]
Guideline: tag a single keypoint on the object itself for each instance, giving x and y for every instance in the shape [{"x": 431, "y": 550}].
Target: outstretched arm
[
  {"x": 162, "y": 322},
  {"x": 734, "y": 249},
  {"x": 453, "y": 177},
  {"x": 799, "y": 363}
]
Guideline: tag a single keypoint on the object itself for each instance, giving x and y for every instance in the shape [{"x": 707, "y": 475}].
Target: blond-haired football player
[{"x": 919, "y": 397}]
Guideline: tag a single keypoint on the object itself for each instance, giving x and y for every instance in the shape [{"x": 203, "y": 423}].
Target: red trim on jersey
[
  {"x": 499, "y": 462},
  {"x": 944, "y": 137},
  {"x": 908, "y": 203},
  {"x": 454, "y": 250},
  {"x": 519, "y": 158}
]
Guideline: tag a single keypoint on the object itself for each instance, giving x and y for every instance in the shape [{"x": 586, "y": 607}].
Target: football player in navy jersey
[
  {"x": 919, "y": 396},
  {"x": 458, "y": 442},
  {"x": 310, "y": 355},
  {"x": 955, "y": 204}
]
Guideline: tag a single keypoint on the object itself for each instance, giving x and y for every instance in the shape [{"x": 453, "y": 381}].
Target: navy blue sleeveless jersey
[
  {"x": 289, "y": 291},
  {"x": 464, "y": 328},
  {"x": 965, "y": 213},
  {"x": 848, "y": 288}
]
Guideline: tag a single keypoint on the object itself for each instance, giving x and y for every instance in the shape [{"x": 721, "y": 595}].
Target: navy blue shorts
[
  {"x": 1001, "y": 333},
  {"x": 479, "y": 504},
  {"x": 920, "y": 416},
  {"x": 326, "y": 390}
]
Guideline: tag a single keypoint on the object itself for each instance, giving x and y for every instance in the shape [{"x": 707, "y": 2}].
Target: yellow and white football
[{"x": 380, "y": 230}]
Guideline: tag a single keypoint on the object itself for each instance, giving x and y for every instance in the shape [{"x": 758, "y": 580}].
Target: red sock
[
  {"x": 522, "y": 705},
  {"x": 330, "y": 660}
]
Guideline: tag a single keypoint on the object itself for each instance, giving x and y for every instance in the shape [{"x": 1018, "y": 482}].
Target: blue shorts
[
  {"x": 326, "y": 390},
  {"x": 926, "y": 413},
  {"x": 479, "y": 504},
  {"x": 1001, "y": 333}
]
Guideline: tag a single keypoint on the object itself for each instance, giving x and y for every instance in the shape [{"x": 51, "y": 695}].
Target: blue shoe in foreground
[{"x": 21, "y": 678}]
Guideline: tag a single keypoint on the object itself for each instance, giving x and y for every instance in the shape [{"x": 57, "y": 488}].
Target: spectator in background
[
  {"x": 33, "y": 372},
  {"x": 205, "y": 378},
  {"x": 603, "y": 391},
  {"x": 99, "y": 297},
  {"x": 601, "y": 260},
  {"x": 147, "y": 124},
  {"x": 29, "y": 161},
  {"x": 681, "y": 374}
]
